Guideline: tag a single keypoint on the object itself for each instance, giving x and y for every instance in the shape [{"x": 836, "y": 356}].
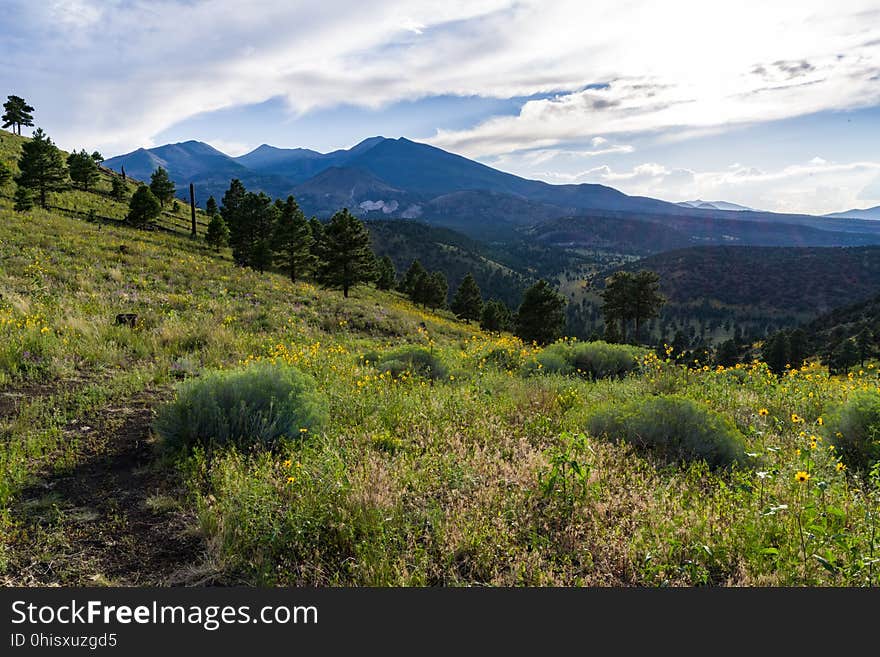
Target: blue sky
[{"x": 771, "y": 105}]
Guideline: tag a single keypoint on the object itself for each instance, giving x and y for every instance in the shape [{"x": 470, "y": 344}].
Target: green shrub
[
  {"x": 854, "y": 429},
  {"x": 593, "y": 360},
  {"x": 414, "y": 361},
  {"x": 247, "y": 408},
  {"x": 675, "y": 428},
  {"x": 600, "y": 360}
]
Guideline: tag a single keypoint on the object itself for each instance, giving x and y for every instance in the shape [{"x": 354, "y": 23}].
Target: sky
[{"x": 773, "y": 105}]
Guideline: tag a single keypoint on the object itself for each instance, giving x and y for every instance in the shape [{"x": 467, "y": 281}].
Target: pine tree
[
  {"x": 316, "y": 228},
  {"x": 437, "y": 290},
  {"x": 647, "y": 300},
  {"x": 292, "y": 241},
  {"x": 776, "y": 352},
  {"x": 162, "y": 186},
  {"x": 386, "y": 274},
  {"x": 83, "y": 169},
  {"x": 118, "y": 189},
  {"x": 97, "y": 158},
  {"x": 728, "y": 353},
  {"x": 217, "y": 234},
  {"x": 496, "y": 316},
  {"x": 23, "y": 199},
  {"x": 211, "y": 207},
  {"x": 411, "y": 279},
  {"x": 17, "y": 113},
  {"x": 232, "y": 210},
  {"x": 41, "y": 167},
  {"x": 467, "y": 303},
  {"x": 345, "y": 255},
  {"x": 257, "y": 224},
  {"x": 541, "y": 316},
  {"x": 143, "y": 208}
]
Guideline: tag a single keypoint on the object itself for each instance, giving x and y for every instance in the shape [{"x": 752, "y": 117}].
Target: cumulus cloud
[{"x": 112, "y": 74}]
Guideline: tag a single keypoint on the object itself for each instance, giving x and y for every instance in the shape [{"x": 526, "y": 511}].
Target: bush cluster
[
  {"x": 854, "y": 429},
  {"x": 593, "y": 360},
  {"x": 248, "y": 408},
  {"x": 674, "y": 428},
  {"x": 410, "y": 360}
]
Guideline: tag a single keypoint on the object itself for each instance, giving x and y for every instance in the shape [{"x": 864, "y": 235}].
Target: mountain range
[
  {"x": 867, "y": 213},
  {"x": 388, "y": 178},
  {"x": 715, "y": 205}
]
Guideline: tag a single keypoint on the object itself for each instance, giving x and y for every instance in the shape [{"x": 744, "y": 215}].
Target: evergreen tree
[
  {"x": 211, "y": 207},
  {"x": 864, "y": 341},
  {"x": 257, "y": 223},
  {"x": 615, "y": 301},
  {"x": 411, "y": 279},
  {"x": 217, "y": 234},
  {"x": 5, "y": 175},
  {"x": 776, "y": 352},
  {"x": 162, "y": 186},
  {"x": 345, "y": 256},
  {"x": 232, "y": 210},
  {"x": 316, "y": 228},
  {"x": 386, "y": 275},
  {"x": 629, "y": 296},
  {"x": 143, "y": 208},
  {"x": 798, "y": 347},
  {"x": 118, "y": 189},
  {"x": 83, "y": 170},
  {"x": 97, "y": 158},
  {"x": 17, "y": 113},
  {"x": 23, "y": 199},
  {"x": 292, "y": 241},
  {"x": 728, "y": 353},
  {"x": 467, "y": 303},
  {"x": 496, "y": 316},
  {"x": 41, "y": 167},
  {"x": 541, "y": 315},
  {"x": 646, "y": 301},
  {"x": 436, "y": 290}
]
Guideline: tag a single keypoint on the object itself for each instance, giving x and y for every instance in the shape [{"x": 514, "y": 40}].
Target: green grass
[{"x": 477, "y": 477}]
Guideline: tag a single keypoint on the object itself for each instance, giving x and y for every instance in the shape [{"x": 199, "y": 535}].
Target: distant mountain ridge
[
  {"x": 402, "y": 179},
  {"x": 715, "y": 205},
  {"x": 867, "y": 213}
]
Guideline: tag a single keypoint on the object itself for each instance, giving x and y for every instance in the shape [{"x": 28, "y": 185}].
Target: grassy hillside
[{"x": 495, "y": 471}]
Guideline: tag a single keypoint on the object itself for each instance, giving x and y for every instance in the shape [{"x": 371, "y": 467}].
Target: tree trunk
[{"x": 192, "y": 207}]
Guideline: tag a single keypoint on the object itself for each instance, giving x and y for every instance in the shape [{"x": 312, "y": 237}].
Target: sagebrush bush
[
  {"x": 593, "y": 360},
  {"x": 854, "y": 429},
  {"x": 413, "y": 361},
  {"x": 246, "y": 408},
  {"x": 674, "y": 428}
]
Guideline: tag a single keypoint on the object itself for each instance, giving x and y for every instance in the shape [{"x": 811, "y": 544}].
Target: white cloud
[
  {"x": 811, "y": 187},
  {"x": 130, "y": 70}
]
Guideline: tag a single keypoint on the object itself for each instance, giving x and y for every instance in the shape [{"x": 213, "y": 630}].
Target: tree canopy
[
  {"x": 41, "y": 167},
  {"x": 541, "y": 316},
  {"x": 143, "y": 208},
  {"x": 162, "y": 186},
  {"x": 292, "y": 240},
  {"x": 346, "y": 258},
  {"x": 17, "y": 113},
  {"x": 83, "y": 169},
  {"x": 467, "y": 303}
]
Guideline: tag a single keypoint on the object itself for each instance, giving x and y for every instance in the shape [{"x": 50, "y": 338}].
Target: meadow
[{"x": 481, "y": 471}]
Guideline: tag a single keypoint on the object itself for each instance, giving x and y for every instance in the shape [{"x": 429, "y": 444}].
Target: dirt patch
[
  {"x": 114, "y": 518},
  {"x": 12, "y": 398}
]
